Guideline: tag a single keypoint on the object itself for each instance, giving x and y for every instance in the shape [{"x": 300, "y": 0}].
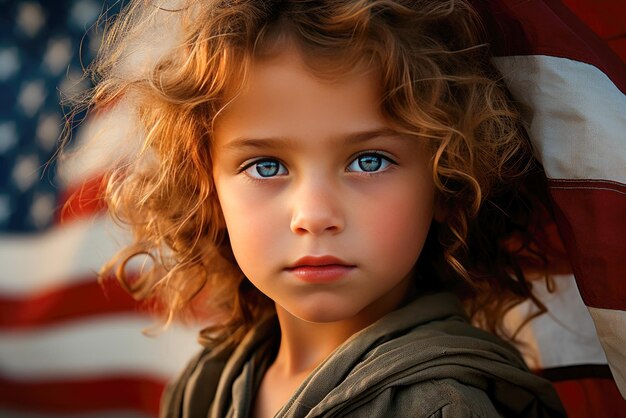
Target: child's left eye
[{"x": 370, "y": 162}]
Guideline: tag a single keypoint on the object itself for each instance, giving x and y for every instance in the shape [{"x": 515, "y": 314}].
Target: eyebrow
[{"x": 279, "y": 142}]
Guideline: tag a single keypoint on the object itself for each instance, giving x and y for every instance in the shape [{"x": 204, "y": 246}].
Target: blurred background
[{"x": 70, "y": 347}]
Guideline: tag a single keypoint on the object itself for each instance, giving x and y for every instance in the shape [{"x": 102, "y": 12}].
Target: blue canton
[{"x": 43, "y": 47}]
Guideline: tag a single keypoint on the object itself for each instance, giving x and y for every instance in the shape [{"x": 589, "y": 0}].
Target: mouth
[
  {"x": 324, "y": 269},
  {"x": 319, "y": 261}
]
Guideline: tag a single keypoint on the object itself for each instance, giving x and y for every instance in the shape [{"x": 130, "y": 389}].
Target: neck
[{"x": 304, "y": 345}]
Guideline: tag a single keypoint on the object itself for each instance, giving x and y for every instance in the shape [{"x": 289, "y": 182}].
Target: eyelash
[
  {"x": 385, "y": 158},
  {"x": 378, "y": 154}
]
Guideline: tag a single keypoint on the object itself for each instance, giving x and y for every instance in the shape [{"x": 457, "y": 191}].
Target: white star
[
  {"x": 94, "y": 42},
  {"x": 8, "y": 136},
  {"x": 48, "y": 130},
  {"x": 73, "y": 84},
  {"x": 30, "y": 18},
  {"x": 25, "y": 172},
  {"x": 58, "y": 55},
  {"x": 31, "y": 97},
  {"x": 84, "y": 13},
  {"x": 42, "y": 209},
  {"x": 9, "y": 62}
]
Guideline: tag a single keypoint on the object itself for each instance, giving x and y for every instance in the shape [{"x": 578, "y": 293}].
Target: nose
[{"x": 316, "y": 209}]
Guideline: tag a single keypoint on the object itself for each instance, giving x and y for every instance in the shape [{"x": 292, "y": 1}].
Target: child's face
[{"x": 310, "y": 168}]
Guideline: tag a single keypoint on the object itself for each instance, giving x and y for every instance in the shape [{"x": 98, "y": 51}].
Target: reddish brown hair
[{"x": 439, "y": 86}]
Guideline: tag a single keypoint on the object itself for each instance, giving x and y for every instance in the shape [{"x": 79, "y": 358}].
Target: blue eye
[
  {"x": 369, "y": 163},
  {"x": 265, "y": 168}
]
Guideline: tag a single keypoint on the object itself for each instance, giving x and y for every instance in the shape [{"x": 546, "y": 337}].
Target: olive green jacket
[{"x": 422, "y": 360}]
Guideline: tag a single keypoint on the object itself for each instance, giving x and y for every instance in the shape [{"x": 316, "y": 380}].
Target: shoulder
[
  {"x": 208, "y": 376},
  {"x": 441, "y": 398},
  {"x": 187, "y": 393},
  {"x": 458, "y": 400}
]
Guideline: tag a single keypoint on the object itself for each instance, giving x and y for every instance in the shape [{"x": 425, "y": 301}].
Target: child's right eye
[{"x": 264, "y": 168}]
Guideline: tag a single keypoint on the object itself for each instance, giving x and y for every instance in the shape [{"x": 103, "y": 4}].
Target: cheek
[
  {"x": 399, "y": 225},
  {"x": 252, "y": 224}
]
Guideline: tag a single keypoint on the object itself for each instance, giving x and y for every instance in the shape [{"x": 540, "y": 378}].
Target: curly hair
[{"x": 438, "y": 84}]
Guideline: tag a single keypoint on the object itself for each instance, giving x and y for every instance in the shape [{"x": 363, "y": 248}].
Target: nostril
[
  {"x": 317, "y": 224},
  {"x": 315, "y": 209}
]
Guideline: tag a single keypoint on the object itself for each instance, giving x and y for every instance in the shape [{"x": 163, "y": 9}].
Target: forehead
[{"x": 283, "y": 96}]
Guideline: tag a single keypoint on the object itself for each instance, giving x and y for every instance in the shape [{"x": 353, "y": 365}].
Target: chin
[
  {"x": 322, "y": 317},
  {"x": 324, "y": 313}
]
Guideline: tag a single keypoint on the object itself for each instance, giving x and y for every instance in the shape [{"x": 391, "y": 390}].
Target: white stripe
[
  {"x": 565, "y": 335},
  {"x": 577, "y": 116},
  {"x": 63, "y": 255},
  {"x": 103, "y": 141},
  {"x": 96, "y": 346},
  {"x": 611, "y": 328},
  {"x": 110, "y": 137}
]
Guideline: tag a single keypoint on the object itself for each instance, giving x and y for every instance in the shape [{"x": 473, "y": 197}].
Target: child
[{"x": 335, "y": 184}]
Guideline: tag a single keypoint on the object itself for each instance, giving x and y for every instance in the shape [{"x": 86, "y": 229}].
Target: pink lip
[
  {"x": 323, "y": 269},
  {"x": 323, "y": 260}
]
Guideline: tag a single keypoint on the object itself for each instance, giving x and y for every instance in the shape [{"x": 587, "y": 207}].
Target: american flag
[
  {"x": 564, "y": 61},
  {"x": 70, "y": 348},
  {"x": 67, "y": 347}
]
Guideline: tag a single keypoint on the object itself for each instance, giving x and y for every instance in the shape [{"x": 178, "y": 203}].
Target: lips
[
  {"x": 323, "y": 269},
  {"x": 324, "y": 260}
]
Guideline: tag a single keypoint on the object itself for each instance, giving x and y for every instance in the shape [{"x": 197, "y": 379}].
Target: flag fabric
[
  {"x": 68, "y": 347},
  {"x": 564, "y": 61}
]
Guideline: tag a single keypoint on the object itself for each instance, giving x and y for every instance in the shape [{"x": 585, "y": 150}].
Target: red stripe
[
  {"x": 547, "y": 27},
  {"x": 78, "y": 301},
  {"x": 591, "y": 218},
  {"x": 83, "y": 200},
  {"x": 607, "y": 18},
  {"x": 619, "y": 46},
  {"x": 121, "y": 393},
  {"x": 584, "y": 398}
]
